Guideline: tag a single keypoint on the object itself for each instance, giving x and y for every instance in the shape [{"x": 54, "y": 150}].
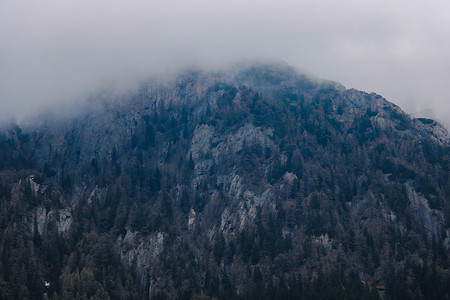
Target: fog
[{"x": 58, "y": 52}]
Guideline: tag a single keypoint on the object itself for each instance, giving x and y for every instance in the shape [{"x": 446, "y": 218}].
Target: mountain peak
[{"x": 230, "y": 184}]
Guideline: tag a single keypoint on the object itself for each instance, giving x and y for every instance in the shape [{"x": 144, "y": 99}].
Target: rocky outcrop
[{"x": 432, "y": 219}]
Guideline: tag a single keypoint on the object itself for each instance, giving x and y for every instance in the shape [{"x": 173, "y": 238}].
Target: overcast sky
[{"x": 56, "y": 51}]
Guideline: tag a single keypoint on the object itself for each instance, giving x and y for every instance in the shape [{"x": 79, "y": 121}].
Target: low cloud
[{"x": 54, "y": 52}]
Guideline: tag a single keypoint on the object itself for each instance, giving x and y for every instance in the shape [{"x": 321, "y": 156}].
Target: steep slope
[{"x": 253, "y": 182}]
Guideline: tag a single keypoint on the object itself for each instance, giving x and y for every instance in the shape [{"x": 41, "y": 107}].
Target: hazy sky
[{"x": 56, "y": 51}]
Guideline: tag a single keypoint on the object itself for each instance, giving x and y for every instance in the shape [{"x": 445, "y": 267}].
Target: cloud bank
[{"x": 54, "y": 52}]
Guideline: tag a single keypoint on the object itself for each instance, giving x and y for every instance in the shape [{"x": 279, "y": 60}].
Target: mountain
[{"x": 257, "y": 182}]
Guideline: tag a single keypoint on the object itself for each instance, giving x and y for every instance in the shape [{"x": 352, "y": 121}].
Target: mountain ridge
[{"x": 223, "y": 184}]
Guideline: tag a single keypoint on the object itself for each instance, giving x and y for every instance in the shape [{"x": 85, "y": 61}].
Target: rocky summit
[{"x": 256, "y": 182}]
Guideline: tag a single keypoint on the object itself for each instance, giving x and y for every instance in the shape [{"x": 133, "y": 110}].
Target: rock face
[{"x": 226, "y": 185}]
